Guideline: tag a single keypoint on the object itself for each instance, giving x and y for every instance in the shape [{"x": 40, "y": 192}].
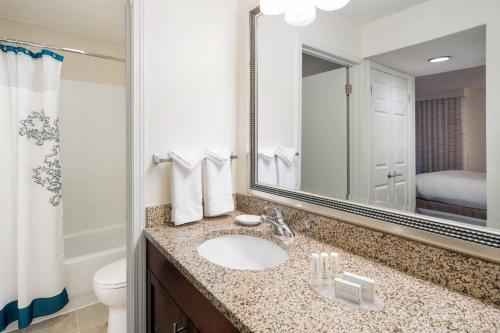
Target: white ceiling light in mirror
[
  {"x": 273, "y": 7},
  {"x": 439, "y": 59},
  {"x": 331, "y": 4},
  {"x": 299, "y": 12}
]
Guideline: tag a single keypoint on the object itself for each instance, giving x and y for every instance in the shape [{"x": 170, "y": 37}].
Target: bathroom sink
[{"x": 243, "y": 252}]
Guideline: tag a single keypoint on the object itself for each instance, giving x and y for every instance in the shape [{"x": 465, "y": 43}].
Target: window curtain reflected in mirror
[{"x": 439, "y": 127}]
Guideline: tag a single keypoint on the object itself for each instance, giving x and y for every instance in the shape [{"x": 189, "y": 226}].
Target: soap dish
[{"x": 248, "y": 219}]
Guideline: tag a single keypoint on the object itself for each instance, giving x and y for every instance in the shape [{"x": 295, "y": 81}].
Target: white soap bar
[
  {"x": 367, "y": 285},
  {"x": 347, "y": 290}
]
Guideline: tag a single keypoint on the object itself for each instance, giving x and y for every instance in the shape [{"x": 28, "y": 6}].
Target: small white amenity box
[
  {"x": 367, "y": 285},
  {"x": 348, "y": 290}
]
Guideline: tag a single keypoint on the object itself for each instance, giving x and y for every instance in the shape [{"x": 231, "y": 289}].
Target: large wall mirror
[{"x": 399, "y": 136}]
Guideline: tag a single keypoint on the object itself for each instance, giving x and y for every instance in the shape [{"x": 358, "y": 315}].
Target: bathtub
[{"x": 85, "y": 253}]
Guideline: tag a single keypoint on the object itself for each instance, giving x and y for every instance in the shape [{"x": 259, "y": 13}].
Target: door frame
[
  {"x": 410, "y": 129},
  {"x": 136, "y": 245}
]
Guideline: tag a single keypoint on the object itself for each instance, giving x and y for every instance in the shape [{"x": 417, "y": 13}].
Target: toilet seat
[{"x": 112, "y": 276}]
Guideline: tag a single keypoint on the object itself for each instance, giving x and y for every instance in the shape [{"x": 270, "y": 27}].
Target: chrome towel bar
[{"x": 157, "y": 160}]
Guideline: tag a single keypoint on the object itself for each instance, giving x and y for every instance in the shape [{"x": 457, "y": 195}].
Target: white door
[
  {"x": 324, "y": 134},
  {"x": 390, "y": 140}
]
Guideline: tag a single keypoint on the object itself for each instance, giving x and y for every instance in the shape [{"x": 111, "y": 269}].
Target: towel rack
[{"x": 157, "y": 160}]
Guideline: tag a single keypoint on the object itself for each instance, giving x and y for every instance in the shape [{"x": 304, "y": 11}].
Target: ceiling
[
  {"x": 98, "y": 18},
  {"x": 467, "y": 49},
  {"x": 364, "y": 11}
]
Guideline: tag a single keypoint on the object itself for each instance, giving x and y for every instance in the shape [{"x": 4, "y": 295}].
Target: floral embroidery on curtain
[
  {"x": 38, "y": 126},
  {"x": 439, "y": 127}
]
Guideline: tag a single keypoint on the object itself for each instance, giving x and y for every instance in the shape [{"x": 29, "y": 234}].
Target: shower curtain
[{"x": 31, "y": 244}]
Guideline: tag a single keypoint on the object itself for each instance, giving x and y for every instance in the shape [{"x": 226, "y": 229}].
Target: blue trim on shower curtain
[
  {"x": 18, "y": 49},
  {"x": 39, "y": 307}
]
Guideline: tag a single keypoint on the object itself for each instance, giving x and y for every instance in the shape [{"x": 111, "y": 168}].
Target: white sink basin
[{"x": 242, "y": 252}]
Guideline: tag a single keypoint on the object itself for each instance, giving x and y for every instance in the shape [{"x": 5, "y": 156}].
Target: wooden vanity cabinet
[
  {"x": 165, "y": 315},
  {"x": 174, "y": 305}
]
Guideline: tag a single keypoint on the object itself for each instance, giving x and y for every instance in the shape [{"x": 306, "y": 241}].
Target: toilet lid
[{"x": 112, "y": 276}]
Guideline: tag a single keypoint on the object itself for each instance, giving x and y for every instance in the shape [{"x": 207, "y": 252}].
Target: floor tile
[
  {"x": 92, "y": 316},
  {"x": 97, "y": 329},
  {"x": 63, "y": 324}
]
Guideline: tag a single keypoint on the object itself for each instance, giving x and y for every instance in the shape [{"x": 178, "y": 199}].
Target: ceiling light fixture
[
  {"x": 273, "y": 7},
  {"x": 299, "y": 12},
  {"x": 439, "y": 59},
  {"x": 331, "y": 4}
]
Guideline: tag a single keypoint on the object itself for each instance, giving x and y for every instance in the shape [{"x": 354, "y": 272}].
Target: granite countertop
[{"x": 281, "y": 300}]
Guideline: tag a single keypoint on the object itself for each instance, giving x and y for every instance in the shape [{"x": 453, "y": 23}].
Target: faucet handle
[{"x": 278, "y": 214}]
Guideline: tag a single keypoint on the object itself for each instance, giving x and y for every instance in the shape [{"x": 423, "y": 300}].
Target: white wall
[
  {"x": 92, "y": 125},
  {"x": 475, "y": 122},
  {"x": 444, "y": 17},
  {"x": 279, "y": 47},
  {"x": 189, "y": 82},
  {"x": 276, "y": 45}
]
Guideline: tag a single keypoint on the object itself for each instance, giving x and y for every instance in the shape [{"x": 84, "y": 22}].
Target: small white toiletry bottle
[
  {"x": 334, "y": 264},
  {"x": 315, "y": 269},
  {"x": 325, "y": 269}
]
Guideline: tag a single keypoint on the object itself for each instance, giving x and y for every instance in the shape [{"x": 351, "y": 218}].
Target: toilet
[{"x": 110, "y": 287}]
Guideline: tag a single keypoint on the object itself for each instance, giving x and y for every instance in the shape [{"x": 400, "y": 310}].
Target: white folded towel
[
  {"x": 286, "y": 167},
  {"x": 267, "y": 171},
  {"x": 186, "y": 186},
  {"x": 218, "y": 186}
]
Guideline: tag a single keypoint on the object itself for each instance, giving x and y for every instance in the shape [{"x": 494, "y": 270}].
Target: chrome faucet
[{"x": 277, "y": 219}]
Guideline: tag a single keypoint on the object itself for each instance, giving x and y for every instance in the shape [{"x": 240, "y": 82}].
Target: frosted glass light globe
[
  {"x": 272, "y": 7},
  {"x": 331, "y": 4},
  {"x": 300, "y": 12}
]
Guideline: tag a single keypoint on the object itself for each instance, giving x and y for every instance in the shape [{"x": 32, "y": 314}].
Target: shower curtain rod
[{"x": 64, "y": 49}]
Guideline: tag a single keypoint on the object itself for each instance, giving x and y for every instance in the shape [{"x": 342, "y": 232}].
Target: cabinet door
[
  {"x": 164, "y": 315},
  {"x": 173, "y": 296}
]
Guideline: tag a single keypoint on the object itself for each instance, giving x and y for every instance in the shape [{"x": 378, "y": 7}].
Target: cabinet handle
[{"x": 178, "y": 330}]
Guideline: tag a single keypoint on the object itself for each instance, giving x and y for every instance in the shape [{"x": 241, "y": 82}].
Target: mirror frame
[{"x": 477, "y": 235}]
